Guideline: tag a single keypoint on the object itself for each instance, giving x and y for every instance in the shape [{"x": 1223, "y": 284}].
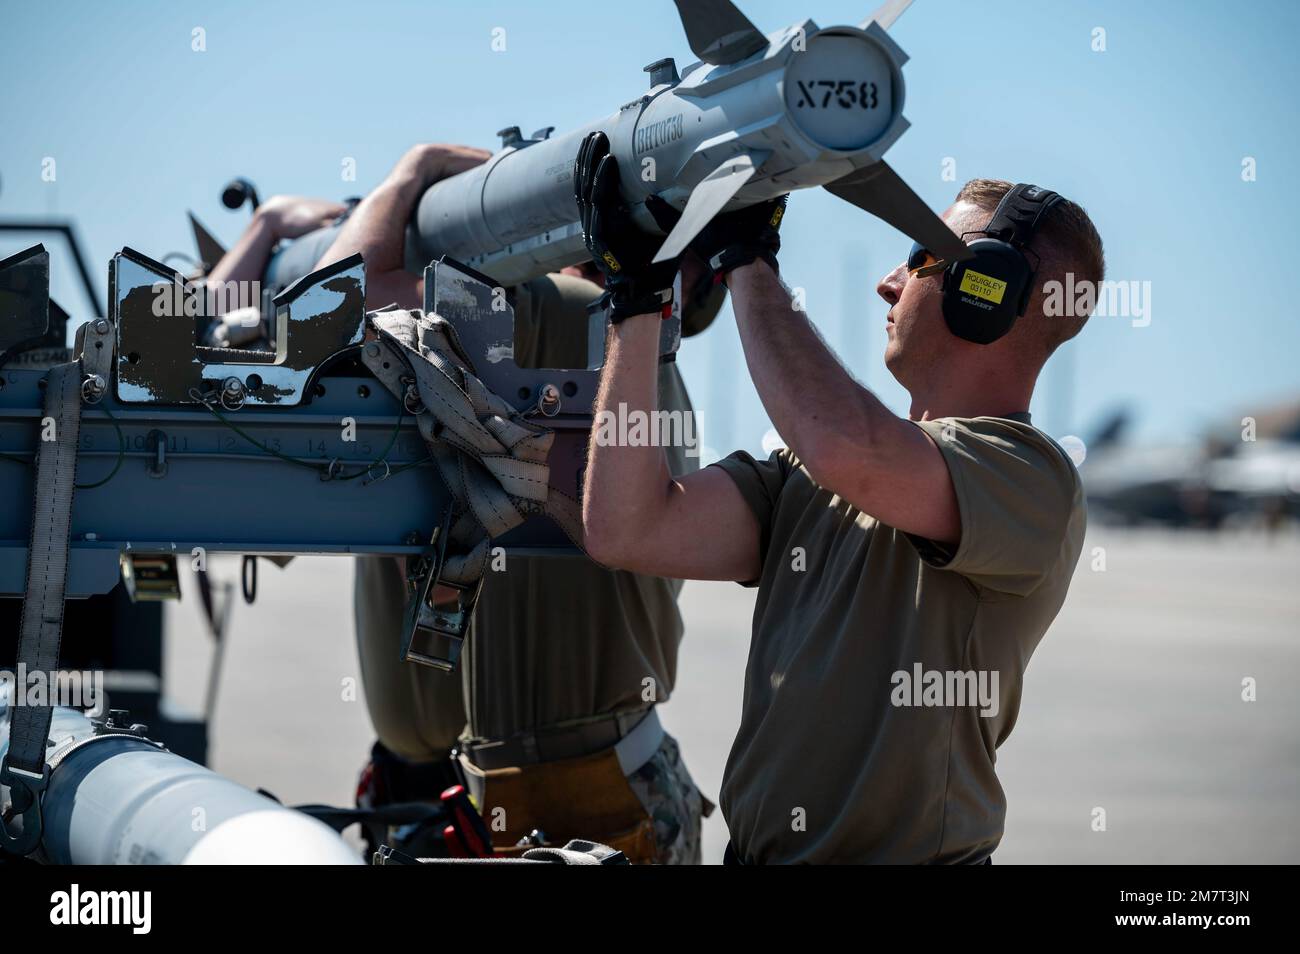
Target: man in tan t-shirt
[{"x": 907, "y": 567}]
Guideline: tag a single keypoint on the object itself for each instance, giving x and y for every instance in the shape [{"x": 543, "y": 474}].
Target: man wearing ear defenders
[{"x": 901, "y": 562}]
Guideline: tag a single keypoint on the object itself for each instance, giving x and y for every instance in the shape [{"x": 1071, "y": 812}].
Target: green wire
[
  {"x": 121, "y": 455},
  {"x": 314, "y": 466}
]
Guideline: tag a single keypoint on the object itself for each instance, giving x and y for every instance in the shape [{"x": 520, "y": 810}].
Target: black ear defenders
[{"x": 985, "y": 294}]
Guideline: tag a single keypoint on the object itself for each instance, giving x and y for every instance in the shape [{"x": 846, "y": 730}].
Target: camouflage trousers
[{"x": 668, "y": 793}]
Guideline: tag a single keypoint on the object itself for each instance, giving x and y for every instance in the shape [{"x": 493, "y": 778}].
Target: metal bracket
[
  {"x": 118, "y": 722},
  {"x": 24, "y": 299},
  {"x": 156, "y": 443},
  {"x": 25, "y": 791},
  {"x": 150, "y": 577},
  {"x": 140, "y": 486},
  {"x": 485, "y": 325},
  {"x": 94, "y": 348},
  {"x": 434, "y": 636},
  {"x": 318, "y": 318}
]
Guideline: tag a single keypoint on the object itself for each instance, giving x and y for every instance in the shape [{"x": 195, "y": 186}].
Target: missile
[
  {"x": 116, "y": 798},
  {"x": 756, "y": 117}
]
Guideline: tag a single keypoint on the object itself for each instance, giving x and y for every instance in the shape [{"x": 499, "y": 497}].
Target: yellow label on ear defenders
[{"x": 983, "y": 286}]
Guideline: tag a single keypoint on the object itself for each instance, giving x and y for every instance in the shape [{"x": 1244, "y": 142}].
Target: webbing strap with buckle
[
  {"x": 25, "y": 771},
  {"x": 492, "y": 460}
]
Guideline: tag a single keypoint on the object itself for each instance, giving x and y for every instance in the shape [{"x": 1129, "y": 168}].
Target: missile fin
[
  {"x": 718, "y": 32},
  {"x": 210, "y": 250},
  {"x": 706, "y": 201},
  {"x": 878, "y": 189},
  {"x": 887, "y": 13}
]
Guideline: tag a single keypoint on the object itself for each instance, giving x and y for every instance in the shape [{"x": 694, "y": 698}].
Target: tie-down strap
[
  {"x": 40, "y": 632},
  {"x": 493, "y": 460}
]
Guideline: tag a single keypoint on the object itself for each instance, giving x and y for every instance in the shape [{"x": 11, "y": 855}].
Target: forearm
[
  {"x": 813, "y": 402},
  {"x": 246, "y": 261},
  {"x": 626, "y": 486},
  {"x": 377, "y": 226}
]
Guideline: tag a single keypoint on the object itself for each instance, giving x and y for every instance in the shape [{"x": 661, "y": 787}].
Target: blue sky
[{"x": 1149, "y": 136}]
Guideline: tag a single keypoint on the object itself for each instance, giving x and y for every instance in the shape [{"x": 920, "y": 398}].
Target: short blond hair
[{"x": 1066, "y": 241}]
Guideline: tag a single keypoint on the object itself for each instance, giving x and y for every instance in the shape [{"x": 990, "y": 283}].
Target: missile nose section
[
  {"x": 270, "y": 837},
  {"x": 840, "y": 92}
]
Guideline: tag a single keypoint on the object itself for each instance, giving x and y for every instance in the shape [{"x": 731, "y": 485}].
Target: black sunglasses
[{"x": 922, "y": 263}]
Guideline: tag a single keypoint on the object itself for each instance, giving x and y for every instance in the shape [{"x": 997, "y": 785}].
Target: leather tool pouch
[{"x": 586, "y": 797}]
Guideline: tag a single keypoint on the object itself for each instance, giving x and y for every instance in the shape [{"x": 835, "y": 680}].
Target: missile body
[
  {"x": 757, "y": 117},
  {"x": 119, "y": 799},
  {"x": 812, "y": 107}
]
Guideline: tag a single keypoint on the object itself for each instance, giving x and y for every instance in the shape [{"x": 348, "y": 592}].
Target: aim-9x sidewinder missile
[{"x": 757, "y": 117}]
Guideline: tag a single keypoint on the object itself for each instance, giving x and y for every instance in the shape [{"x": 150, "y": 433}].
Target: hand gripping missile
[{"x": 758, "y": 116}]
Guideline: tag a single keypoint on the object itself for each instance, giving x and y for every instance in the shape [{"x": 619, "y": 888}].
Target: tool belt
[{"x": 524, "y": 783}]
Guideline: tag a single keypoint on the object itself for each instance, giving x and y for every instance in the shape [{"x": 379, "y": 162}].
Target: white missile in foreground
[
  {"x": 759, "y": 116},
  {"x": 116, "y": 798}
]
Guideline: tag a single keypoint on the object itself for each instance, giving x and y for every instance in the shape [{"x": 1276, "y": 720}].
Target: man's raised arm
[
  {"x": 847, "y": 439},
  {"x": 377, "y": 227},
  {"x": 636, "y": 516}
]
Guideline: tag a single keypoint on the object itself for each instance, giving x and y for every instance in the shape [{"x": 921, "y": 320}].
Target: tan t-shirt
[
  {"x": 554, "y": 640},
  {"x": 855, "y": 618}
]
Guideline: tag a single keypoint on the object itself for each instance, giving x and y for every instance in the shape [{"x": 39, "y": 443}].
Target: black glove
[
  {"x": 619, "y": 248},
  {"x": 732, "y": 239}
]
